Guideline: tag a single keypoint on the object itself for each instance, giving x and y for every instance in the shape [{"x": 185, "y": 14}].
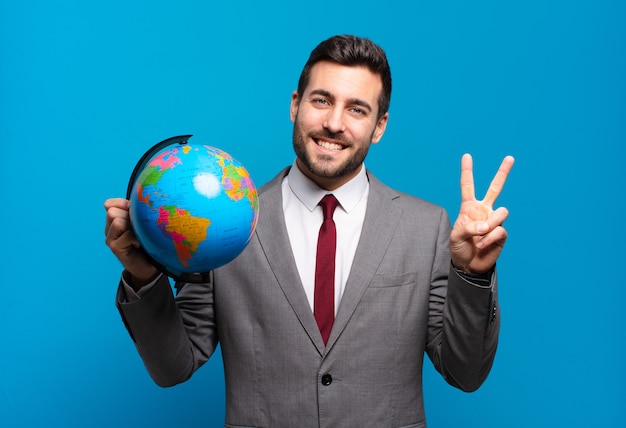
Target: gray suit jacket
[{"x": 402, "y": 299}]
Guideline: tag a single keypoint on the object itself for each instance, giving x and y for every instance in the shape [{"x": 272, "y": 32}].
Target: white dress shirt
[{"x": 303, "y": 217}]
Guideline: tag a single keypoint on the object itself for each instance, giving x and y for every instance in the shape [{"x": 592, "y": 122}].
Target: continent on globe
[
  {"x": 193, "y": 207},
  {"x": 172, "y": 220}
]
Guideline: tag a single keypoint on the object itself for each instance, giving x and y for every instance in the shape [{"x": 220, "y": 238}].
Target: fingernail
[{"x": 482, "y": 227}]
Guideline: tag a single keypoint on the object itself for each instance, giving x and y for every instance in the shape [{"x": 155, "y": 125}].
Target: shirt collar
[{"x": 310, "y": 194}]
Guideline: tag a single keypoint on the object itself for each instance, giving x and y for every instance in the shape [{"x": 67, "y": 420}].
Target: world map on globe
[{"x": 193, "y": 208}]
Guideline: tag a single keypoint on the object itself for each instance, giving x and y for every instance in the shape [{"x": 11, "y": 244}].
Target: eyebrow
[{"x": 352, "y": 101}]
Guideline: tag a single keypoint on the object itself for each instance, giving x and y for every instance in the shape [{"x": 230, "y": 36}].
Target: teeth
[{"x": 329, "y": 146}]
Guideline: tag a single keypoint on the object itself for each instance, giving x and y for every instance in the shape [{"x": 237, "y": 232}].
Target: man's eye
[
  {"x": 320, "y": 101},
  {"x": 358, "y": 110}
]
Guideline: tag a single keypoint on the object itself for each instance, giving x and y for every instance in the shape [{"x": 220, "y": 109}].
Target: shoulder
[
  {"x": 383, "y": 194},
  {"x": 275, "y": 183}
]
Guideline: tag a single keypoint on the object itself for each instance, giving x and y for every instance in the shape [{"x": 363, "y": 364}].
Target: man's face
[{"x": 335, "y": 122}]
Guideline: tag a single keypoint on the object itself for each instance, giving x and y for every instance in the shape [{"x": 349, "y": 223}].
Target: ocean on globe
[{"x": 193, "y": 208}]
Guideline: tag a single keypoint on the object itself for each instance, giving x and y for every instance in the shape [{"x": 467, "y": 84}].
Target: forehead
[{"x": 342, "y": 81}]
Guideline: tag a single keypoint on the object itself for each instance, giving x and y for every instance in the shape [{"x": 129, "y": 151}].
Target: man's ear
[
  {"x": 293, "y": 108},
  {"x": 381, "y": 125}
]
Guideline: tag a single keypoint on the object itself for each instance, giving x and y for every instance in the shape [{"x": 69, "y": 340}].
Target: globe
[{"x": 193, "y": 207}]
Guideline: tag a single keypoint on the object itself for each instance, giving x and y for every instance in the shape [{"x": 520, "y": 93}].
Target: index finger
[
  {"x": 498, "y": 181},
  {"x": 467, "y": 179},
  {"x": 115, "y": 207}
]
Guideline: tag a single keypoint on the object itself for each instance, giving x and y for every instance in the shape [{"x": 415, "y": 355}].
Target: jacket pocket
[{"x": 382, "y": 281}]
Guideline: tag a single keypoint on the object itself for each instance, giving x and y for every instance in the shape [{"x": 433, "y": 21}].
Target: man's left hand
[{"x": 478, "y": 236}]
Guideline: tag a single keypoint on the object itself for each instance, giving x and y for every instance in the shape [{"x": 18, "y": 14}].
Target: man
[{"x": 404, "y": 282}]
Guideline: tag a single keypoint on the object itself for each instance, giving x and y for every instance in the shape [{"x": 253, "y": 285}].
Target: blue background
[{"x": 87, "y": 87}]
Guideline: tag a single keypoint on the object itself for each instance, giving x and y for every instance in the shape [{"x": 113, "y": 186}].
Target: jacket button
[{"x": 327, "y": 380}]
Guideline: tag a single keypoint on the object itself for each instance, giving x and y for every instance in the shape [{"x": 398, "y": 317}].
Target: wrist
[
  {"x": 137, "y": 282},
  {"x": 467, "y": 271},
  {"x": 462, "y": 269}
]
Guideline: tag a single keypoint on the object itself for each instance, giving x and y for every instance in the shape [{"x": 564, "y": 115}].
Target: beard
[{"x": 323, "y": 166}]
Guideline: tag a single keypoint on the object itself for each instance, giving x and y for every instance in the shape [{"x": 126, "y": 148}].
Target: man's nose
[{"x": 335, "y": 120}]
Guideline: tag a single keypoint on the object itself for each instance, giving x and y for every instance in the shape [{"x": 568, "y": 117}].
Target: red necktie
[{"x": 324, "y": 300}]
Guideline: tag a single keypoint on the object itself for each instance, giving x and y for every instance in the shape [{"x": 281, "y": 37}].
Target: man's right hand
[{"x": 123, "y": 243}]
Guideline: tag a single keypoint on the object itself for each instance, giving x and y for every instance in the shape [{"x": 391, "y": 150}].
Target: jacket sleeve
[
  {"x": 174, "y": 335},
  {"x": 464, "y": 322}
]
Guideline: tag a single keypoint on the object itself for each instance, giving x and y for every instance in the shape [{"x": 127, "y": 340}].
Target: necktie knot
[{"x": 328, "y": 204}]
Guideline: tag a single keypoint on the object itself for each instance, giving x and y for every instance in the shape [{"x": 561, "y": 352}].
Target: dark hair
[{"x": 351, "y": 50}]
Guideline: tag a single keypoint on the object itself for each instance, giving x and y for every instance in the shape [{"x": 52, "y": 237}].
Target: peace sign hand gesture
[{"x": 478, "y": 236}]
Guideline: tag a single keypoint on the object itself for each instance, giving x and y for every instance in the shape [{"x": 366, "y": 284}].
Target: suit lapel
[
  {"x": 273, "y": 237},
  {"x": 381, "y": 220}
]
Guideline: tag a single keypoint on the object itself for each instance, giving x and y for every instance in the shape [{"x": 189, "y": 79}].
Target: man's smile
[{"x": 332, "y": 145}]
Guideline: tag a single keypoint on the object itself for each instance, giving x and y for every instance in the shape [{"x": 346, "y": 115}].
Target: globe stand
[
  {"x": 181, "y": 139},
  {"x": 199, "y": 277}
]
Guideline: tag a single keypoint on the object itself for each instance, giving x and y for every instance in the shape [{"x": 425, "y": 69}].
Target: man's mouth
[{"x": 328, "y": 145}]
